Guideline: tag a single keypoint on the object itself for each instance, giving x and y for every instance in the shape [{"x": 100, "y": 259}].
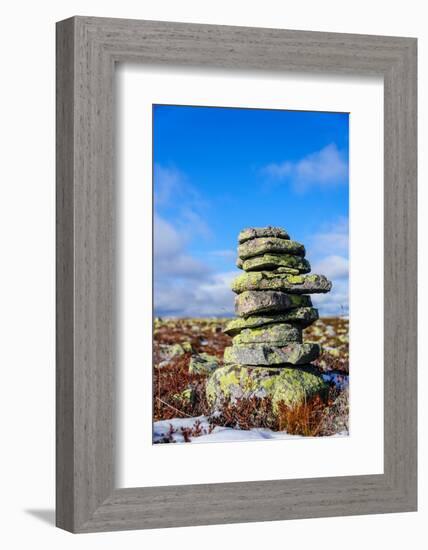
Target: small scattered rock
[
  {"x": 203, "y": 363},
  {"x": 169, "y": 352}
]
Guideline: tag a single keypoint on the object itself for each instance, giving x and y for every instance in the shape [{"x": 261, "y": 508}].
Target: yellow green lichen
[
  {"x": 295, "y": 279},
  {"x": 263, "y": 245},
  {"x": 296, "y": 386},
  {"x": 274, "y": 333},
  {"x": 290, "y": 386},
  {"x": 274, "y": 261},
  {"x": 267, "y": 280},
  {"x": 271, "y": 354},
  {"x": 301, "y": 315}
]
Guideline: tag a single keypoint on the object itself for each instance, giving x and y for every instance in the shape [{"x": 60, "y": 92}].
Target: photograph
[{"x": 250, "y": 274}]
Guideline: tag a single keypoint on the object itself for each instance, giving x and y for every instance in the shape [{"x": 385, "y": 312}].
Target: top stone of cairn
[{"x": 256, "y": 232}]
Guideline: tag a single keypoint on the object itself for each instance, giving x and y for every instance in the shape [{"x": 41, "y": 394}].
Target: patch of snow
[{"x": 161, "y": 429}]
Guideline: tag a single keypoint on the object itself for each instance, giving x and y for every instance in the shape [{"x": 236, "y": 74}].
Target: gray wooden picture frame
[{"x": 87, "y": 50}]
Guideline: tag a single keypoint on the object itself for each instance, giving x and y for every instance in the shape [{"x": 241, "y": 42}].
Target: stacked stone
[
  {"x": 272, "y": 303},
  {"x": 268, "y": 357}
]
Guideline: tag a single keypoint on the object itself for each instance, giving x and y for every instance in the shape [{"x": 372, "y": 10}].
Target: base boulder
[{"x": 291, "y": 386}]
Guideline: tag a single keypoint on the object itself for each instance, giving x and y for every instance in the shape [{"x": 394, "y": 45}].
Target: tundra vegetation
[{"x": 188, "y": 351}]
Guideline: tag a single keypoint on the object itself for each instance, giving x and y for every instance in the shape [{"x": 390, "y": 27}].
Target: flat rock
[
  {"x": 290, "y": 270},
  {"x": 290, "y": 386},
  {"x": 279, "y": 334},
  {"x": 255, "y": 302},
  {"x": 169, "y": 352},
  {"x": 266, "y": 245},
  {"x": 203, "y": 363},
  {"x": 293, "y": 284},
  {"x": 268, "y": 354},
  {"x": 302, "y": 316},
  {"x": 255, "y": 232},
  {"x": 274, "y": 261}
]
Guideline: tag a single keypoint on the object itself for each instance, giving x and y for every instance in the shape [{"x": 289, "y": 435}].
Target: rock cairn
[
  {"x": 272, "y": 302},
  {"x": 268, "y": 356}
]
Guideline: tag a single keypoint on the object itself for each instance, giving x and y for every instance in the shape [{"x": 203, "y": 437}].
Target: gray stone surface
[
  {"x": 269, "y": 231},
  {"x": 279, "y": 334},
  {"x": 203, "y": 363},
  {"x": 263, "y": 245},
  {"x": 268, "y": 262},
  {"x": 302, "y": 316},
  {"x": 267, "y": 354},
  {"x": 292, "y": 284},
  {"x": 289, "y": 270},
  {"x": 255, "y": 302},
  {"x": 289, "y": 386}
]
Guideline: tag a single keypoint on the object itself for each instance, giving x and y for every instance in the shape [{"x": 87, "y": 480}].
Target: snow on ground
[{"x": 219, "y": 434}]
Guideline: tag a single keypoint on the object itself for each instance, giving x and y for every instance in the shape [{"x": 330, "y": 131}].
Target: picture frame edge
[{"x": 86, "y": 501}]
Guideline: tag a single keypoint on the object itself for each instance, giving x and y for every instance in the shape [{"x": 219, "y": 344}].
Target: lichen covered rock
[
  {"x": 291, "y": 386},
  {"x": 274, "y": 261},
  {"x": 168, "y": 352},
  {"x": 293, "y": 284},
  {"x": 255, "y": 232},
  {"x": 302, "y": 316},
  {"x": 289, "y": 270},
  {"x": 255, "y": 302},
  {"x": 264, "y": 245},
  {"x": 203, "y": 363},
  {"x": 268, "y": 354},
  {"x": 278, "y": 334}
]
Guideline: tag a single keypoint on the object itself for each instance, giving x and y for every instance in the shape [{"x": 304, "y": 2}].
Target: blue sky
[{"x": 219, "y": 170}]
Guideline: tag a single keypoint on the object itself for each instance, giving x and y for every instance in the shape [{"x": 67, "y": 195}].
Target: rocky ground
[{"x": 186, "y": 351}]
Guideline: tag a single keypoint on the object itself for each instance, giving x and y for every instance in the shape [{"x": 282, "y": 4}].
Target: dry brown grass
[
  {"x": 305, "y": 419},
  {"x": 169, "y": 383},
  {"x": 317, "y": 417}
]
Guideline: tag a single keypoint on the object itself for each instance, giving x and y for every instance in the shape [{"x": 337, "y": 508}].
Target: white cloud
[
  {"x": 168, "y": 183},
  {"x": 332, "y": 239},
  {"x": 183, "y": 284},
  {"x": 170, "y": 257},
  {"x": 193, "y": 223},
  {"x": 333, "y": 267},
  {"x": 328, "y": 254},
  {"x": 334, "y": 303},
  {"x": 211, "y": 296},
  {"x": 173, "y": 191},
  {"x": 322, "y": 168},
  {"x": 167, "y": 240}
]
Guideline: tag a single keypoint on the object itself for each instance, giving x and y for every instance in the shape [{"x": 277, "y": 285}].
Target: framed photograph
[{"x": 236, "y": 274}]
